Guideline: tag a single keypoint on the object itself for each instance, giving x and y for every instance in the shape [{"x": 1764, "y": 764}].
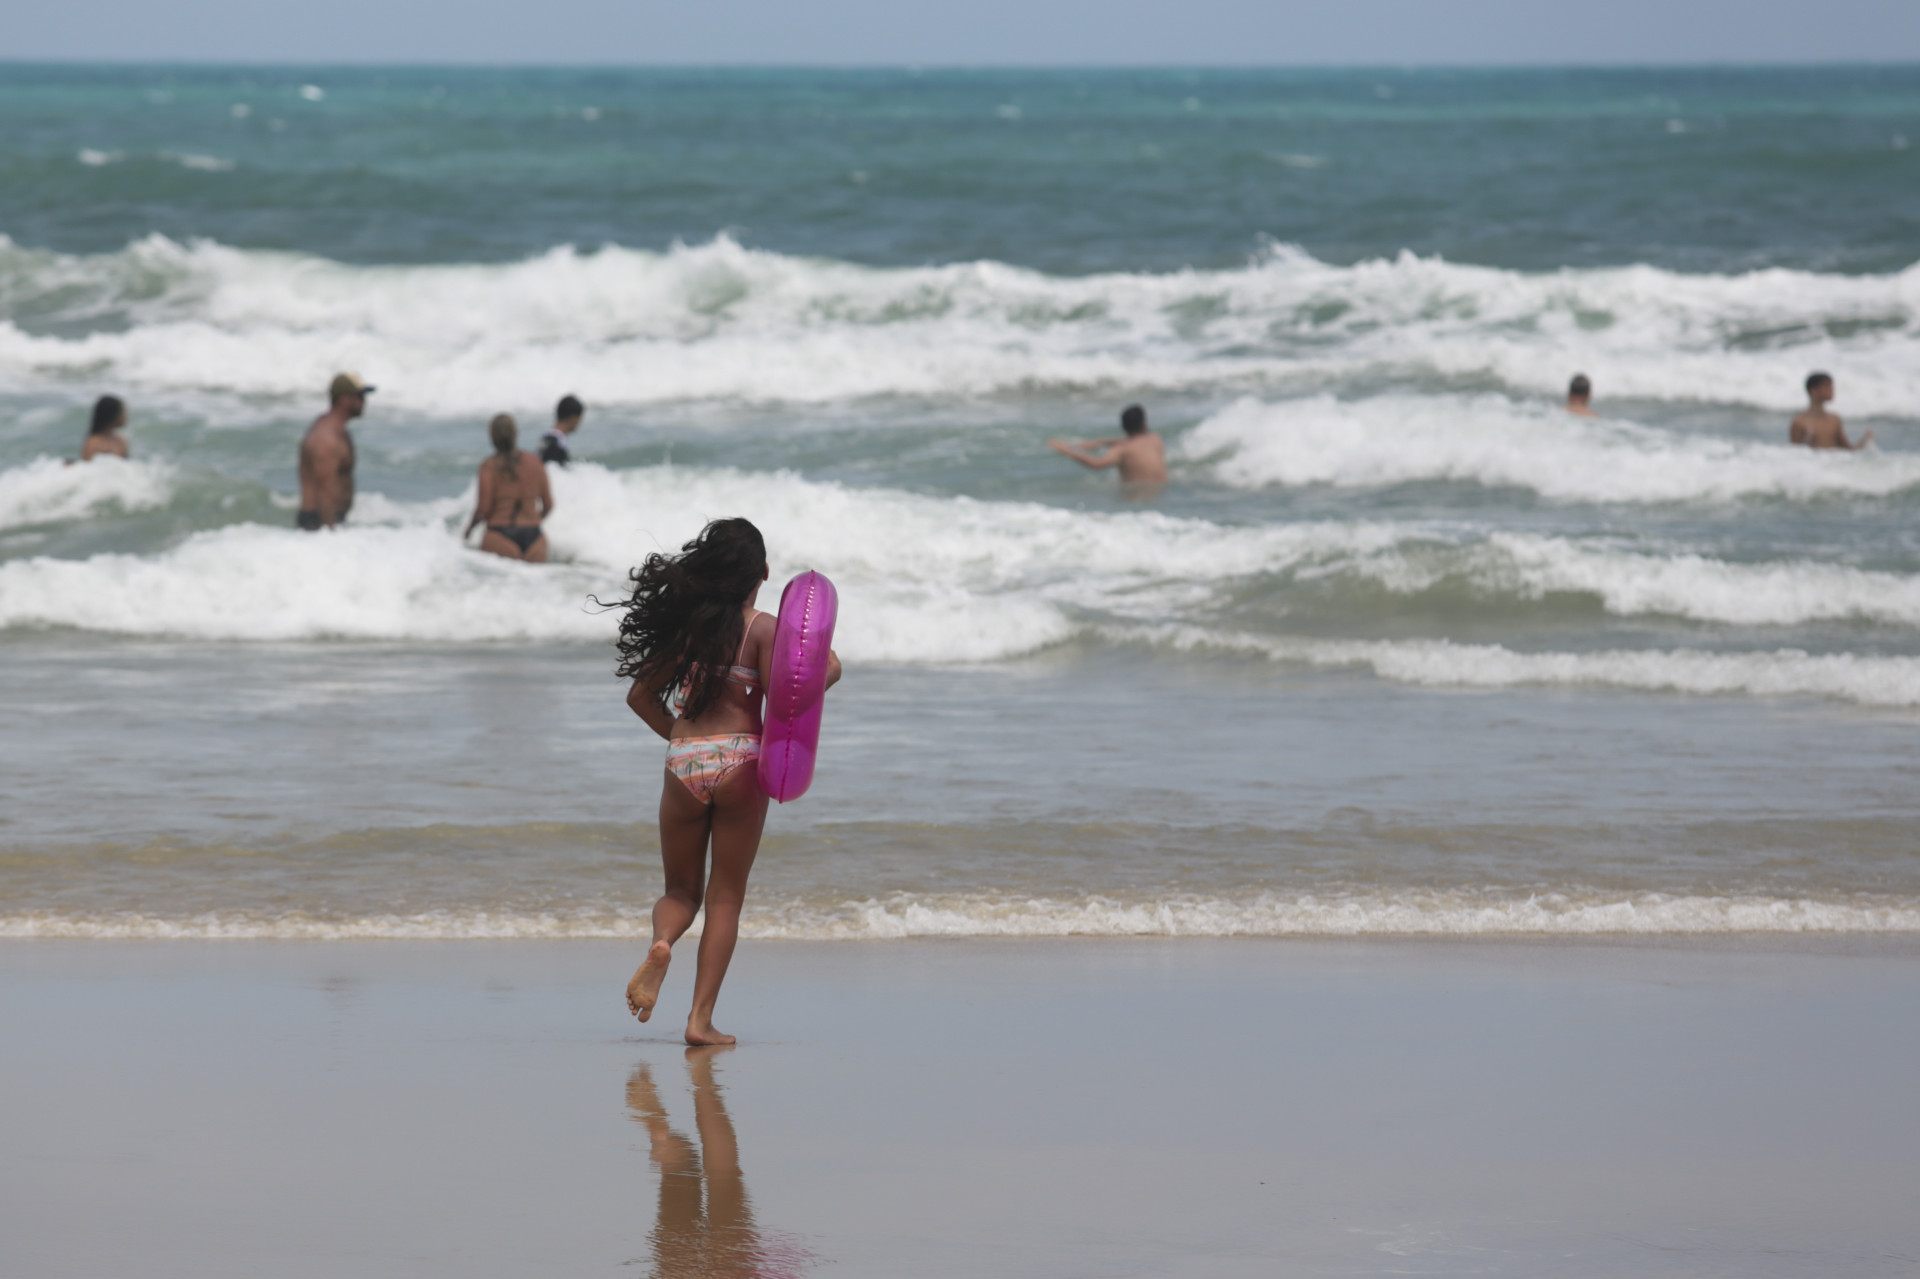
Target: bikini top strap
[{"x": 746, "y": 633}]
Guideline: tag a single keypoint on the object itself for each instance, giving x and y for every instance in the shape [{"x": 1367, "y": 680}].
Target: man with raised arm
[
  {"x": 1140, "y": 454},
  {"x": 326, "y": 457},
  {"x": 1817, "y": 428}
]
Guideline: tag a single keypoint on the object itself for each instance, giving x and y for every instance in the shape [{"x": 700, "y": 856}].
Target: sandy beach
[{"x": 1164, "y": 1107}]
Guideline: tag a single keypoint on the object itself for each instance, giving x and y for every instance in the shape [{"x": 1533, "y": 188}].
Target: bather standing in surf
[
  {"x": 700, "y": 656},
  {"x": 514, "y": 497},
  {"x": 103, "y": 437}
]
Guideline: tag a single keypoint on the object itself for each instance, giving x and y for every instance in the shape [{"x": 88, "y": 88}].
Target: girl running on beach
[{"x": 699, "y": 655}]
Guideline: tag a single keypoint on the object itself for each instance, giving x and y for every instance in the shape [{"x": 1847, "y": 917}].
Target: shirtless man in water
[
  {"x": 326, "y": 457},
  {"x": 1817, "y": 428},
  {"x": 1580, "y": 396},
  {"x": 1140, "y": 454}
]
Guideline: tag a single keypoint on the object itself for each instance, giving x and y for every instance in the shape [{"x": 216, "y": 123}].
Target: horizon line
[{"x": 916, "y": 66}]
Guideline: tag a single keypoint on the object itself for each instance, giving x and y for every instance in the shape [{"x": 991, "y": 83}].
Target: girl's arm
[
  {"x": 764, "y": 660},
  {"x": 644, "y": 700}
]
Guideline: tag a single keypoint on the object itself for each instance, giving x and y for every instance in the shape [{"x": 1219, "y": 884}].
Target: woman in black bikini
[{"x": 514, "y": 497}]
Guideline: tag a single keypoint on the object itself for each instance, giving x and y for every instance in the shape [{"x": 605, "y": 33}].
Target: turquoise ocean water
[{"x": 1404, "y": 647}]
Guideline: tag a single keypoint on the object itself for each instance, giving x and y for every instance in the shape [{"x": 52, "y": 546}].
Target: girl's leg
[
  {"x": 739, "y": 814},
  {"x": 684, "y": 826}
]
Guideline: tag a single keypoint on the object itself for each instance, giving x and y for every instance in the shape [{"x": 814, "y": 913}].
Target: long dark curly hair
[{"x": 682, "y": 626}]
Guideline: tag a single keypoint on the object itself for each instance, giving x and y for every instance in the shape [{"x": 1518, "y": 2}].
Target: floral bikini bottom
[{"x": 702, "y": 763}]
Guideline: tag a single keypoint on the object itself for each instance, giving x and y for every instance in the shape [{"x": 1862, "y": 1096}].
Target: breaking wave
[
  {"x": 933, "y": 579},
  {"x": 719, "y": 321},
  {"x": 1493, "y": 441},
  {"x": 48, "y": 491}
]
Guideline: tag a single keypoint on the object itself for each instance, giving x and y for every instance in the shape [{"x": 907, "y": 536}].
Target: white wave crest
[
  {"x": 720, "y": 321},
  {"x": 1695, "y": 586},
  {"x": 927, "y": 579},
  {"x": 1491, "y": 440},
  {"x": 1402, "y": 913},
  {"x": 251, "y": 582},
  {"x": 1869, "y": 681},
  {"x": 1629, "y": 581},
  {"x": 922, "y": 579},
  {"x": 48, "y": 491}
]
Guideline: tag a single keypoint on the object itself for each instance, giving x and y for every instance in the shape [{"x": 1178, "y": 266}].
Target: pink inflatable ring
[{"x": 802, "y": 641}]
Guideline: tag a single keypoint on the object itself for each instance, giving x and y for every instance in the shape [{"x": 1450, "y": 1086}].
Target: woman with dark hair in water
[
  {"x": 514, "y": 497},
  {"x": 109, "y": 419},
  {"x": 699, "y": 655}
]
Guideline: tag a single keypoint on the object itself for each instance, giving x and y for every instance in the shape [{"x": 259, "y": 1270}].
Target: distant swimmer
[
  {"x": 1140, "y": 454},
  {"x": 1818, "y": 429},
  {"x": 109, "y": 419},
  {"x": 566, "y": 420},
  {"x": 1579, "y": 392},
  {"x": 514, "y": 497},
  {"x": 326, "y": 456}
]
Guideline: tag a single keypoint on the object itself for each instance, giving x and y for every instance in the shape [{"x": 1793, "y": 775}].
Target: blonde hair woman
[{"x": 514, "y": 497}]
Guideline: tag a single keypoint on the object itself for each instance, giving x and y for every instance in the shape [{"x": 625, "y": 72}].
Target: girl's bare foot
[
  {"x": 702, "y": 1034},
  {"x": 643, "y": 992}
]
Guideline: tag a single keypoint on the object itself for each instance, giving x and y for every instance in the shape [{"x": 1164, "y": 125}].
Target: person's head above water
[
  {"x": 1819, "y": 386},
  {"x": 567, "y": 414},
  {"x": 1579, "y": 389},
  {"x": 504, "y": 432},
  {"x": 109, "y": 414},
  {"x": 349, "y": 390},
  {"x": 683, "y": 625},
  {"x": 1133, "y": 420}
]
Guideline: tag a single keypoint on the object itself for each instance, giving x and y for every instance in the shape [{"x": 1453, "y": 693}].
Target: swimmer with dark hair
[
  {"x": 1140, "y": 454},
  {"x": 1816, "y": 427},
  {"x": 566, "y": 420},
  {"x": 109, "y": 419},
  {"x": 1579, "y": 392}
]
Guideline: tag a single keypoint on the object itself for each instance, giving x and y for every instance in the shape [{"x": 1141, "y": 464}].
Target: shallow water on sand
[{"x": 380, "y": 791}]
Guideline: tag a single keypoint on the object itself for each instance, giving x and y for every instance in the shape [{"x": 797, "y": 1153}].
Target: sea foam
[
  {"x": 903, "y": 916},
  {"x": 48, "y": 491},
  {"x": 1867, "y": 680},
  {"x": 931, "y": 579},
  {"x": 938, "y": 579},
  {"x": 720, "y": 321},
  {"x": 1493, "y": 441}
]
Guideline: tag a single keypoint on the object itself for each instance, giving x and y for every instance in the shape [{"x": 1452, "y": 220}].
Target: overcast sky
[{"x": 973, "y": 32}]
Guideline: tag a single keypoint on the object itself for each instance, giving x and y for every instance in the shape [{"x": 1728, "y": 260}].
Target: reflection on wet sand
[{"x": 705, "y": 1225}]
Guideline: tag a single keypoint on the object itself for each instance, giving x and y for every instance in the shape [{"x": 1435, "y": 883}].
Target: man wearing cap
[{"x": 326, "y": 456}]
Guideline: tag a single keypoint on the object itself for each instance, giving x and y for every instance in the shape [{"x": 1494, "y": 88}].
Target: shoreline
[{"x": 1888, "y": 943}]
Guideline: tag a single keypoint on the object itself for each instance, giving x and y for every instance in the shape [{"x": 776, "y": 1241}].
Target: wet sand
[{"x": 964, "y": 1108}]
